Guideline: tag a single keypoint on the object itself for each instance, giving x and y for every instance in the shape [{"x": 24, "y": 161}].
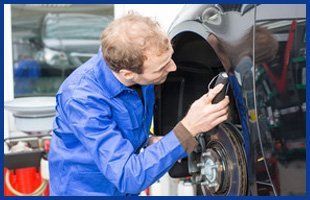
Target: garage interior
[{"x": 260, "y": 150}]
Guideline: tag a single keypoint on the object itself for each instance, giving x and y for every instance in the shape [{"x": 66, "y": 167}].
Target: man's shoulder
[
  {"x": 81, "y": 72},
  {"x": 82, "y": 83}
]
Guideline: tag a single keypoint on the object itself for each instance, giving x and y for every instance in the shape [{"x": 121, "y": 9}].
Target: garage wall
[{"x": 8, "y": 68}]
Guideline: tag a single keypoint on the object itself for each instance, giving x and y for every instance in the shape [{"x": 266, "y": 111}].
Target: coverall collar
[{"x": 107, "y": 78}]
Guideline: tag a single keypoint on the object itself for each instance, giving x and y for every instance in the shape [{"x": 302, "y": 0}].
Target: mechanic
[{"x": 104, "y": 112}]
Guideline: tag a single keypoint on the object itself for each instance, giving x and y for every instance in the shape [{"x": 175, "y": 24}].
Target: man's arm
[{"x": 114, "y": 155}]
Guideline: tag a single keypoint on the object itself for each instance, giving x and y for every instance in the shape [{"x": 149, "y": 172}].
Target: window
[{"x": 51, "y": 40}]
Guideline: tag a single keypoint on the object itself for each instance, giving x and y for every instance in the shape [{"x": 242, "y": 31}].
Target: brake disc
[{"x": 222, "y": 163}]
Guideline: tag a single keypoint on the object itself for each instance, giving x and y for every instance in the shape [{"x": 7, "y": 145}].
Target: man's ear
[{"x": 127, "y": 74}]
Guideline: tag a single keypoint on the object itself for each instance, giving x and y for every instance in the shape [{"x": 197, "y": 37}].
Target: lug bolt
[
  {"x": 200, "y": 164},
  {"x": 208, "y": 153}
]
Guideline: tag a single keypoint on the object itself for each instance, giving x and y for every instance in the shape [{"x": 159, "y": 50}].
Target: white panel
[
  {"x": 8, "y": 68},
  {"x": 163, "y": 13}
]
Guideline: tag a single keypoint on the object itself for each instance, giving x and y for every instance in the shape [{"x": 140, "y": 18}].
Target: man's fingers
[
  {"x": 220, "y": 113},
  {"x": 213, "y": 92},
  {"x": 219, "y": 120},
  {"x": 222, "y": 104},
  {"x": 204, "y": 97}
]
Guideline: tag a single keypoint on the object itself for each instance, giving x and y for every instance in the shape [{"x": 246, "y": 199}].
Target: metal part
[
  {"x": 200, "y": 165},
  {"x": 212, "y": 15},
  {"x": 222, "y": 164},
  {"x": 212, "y": 169}
]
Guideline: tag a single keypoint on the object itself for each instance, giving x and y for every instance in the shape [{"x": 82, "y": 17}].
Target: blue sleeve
[{"x": 114, "y": 155}]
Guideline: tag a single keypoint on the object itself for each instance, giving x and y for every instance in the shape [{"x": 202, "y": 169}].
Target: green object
[
  {"x": 300, "y": 86},
  {"x": 299, "y": 59}
]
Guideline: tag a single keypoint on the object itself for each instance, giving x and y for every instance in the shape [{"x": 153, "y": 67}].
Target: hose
[{"x": 39, "y": 191}]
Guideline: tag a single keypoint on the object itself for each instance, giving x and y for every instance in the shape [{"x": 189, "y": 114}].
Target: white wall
[
  {"x": 8, "y": 68},
  {"x": 163, "y": 13}
]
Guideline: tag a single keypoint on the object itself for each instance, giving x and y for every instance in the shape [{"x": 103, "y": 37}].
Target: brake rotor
[{"x": 223, "y": 164}]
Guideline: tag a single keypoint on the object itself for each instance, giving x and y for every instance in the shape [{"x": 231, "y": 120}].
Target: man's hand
[{"x": 203, "y": 115}]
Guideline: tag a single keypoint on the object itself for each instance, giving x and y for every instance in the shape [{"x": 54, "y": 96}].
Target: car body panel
[{"x": 275, "y": 154}]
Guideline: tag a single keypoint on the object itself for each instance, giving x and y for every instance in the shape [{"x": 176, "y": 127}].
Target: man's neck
[{"x": 122, "y": 80}]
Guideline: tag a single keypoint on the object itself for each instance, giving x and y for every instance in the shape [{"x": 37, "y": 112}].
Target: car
[
  {"x": 59, "y": 43},
  {"x": 261, "y": 148},
  {"x": 69, "y": 39}
]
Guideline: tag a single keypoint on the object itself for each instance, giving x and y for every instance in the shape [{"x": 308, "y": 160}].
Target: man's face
[{"x": 156, "y": 68}]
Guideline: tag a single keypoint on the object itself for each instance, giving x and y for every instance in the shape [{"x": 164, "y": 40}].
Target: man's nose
[{"x": 172, "y": 67}]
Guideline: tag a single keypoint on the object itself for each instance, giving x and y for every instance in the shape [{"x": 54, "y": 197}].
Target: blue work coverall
[{"x": 100, "y": 127}]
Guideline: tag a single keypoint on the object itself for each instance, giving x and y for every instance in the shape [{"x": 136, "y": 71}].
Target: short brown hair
[{"x": 125, "y": 41}]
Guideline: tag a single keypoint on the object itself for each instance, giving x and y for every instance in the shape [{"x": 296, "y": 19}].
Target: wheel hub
[
  {"x": 213, "y": 170},
  {"x": 222, "y": 167}
]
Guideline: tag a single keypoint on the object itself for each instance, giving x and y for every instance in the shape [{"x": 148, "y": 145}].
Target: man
[{"x": 104, "y": 111}]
